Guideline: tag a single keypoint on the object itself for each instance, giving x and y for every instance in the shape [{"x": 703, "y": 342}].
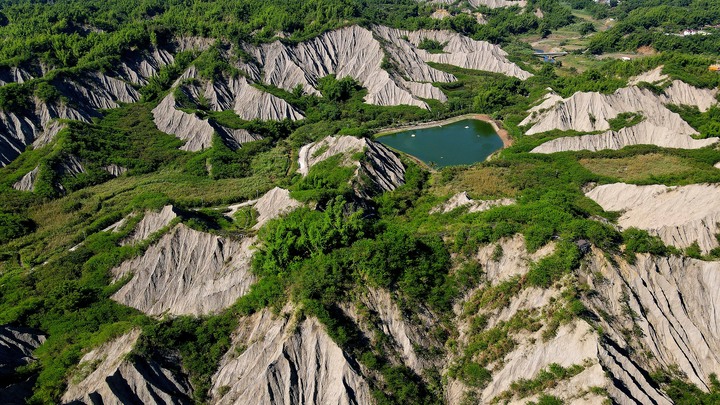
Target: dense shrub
[
  {"x": 13, "y": 226},
  {"x": 639, "y": 241}
]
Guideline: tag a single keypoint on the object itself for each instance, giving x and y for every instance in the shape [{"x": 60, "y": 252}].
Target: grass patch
[
  {"x": 59, "y": 228},
  {"x": 477, "y": 181},
  {"x": 638, "y": 168},
  {"x": 487, "y": 347},
  {"x": 626, "y": 119},
  {"x": 544, "y": 380}
]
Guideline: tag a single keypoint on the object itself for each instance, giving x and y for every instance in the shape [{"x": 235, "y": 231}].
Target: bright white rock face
[
  {"x": 355, "y": 52},
  {"x": 152, "y": 221},
  {"x": 187, "y": 272},
  {"x": 27, "y": 182},
  {"x": 196, "y": 132},
  {"x": 679, "y": 215},
  {"x": 675, "y": 308},
  {"x": 116, "y": 378},
  {"x": 282, "y": 360},
  {"x": 590, "y": 112},
  {"x": 394, "y": 70}
]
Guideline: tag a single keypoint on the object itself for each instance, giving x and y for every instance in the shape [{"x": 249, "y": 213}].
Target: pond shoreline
[{"x": 502, "y": 133}]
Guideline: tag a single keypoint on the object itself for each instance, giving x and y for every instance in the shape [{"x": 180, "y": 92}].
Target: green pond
[{"x": 460, "y": 143}]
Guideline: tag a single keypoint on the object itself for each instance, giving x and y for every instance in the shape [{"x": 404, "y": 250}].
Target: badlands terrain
[{"x": 196, "y": 206}]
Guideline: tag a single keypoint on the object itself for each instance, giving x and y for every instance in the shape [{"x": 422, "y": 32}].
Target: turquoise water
[{"x": 448, "y": 145}]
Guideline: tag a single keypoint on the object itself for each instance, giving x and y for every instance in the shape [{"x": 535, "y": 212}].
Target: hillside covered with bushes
[{"x": 195, "y": 205}]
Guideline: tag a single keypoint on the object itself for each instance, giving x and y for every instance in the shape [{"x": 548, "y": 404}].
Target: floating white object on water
[
  {"x": 413, "y": 135},
  {"x": 466, "y": 126}
]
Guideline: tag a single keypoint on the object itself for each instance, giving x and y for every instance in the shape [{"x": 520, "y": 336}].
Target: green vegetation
[
  {"x": 325, "y": 180},
  {"x": 549, "y": 269},
  {"x": 13, "y": 226},
  {"x": 683, "y": 392},
  {"x": 327, "y": 256},
  {"x": 78, "y": 34},
  {"x": 545, "y": 379},
  {"x": 487, "y": 346},
  {"x": 644, "y": 23},
  {"x": 639, "y": 241},
  {"x": 641, "y": 168},
  {"x": 547, "y": 400},
  {"x": 586, "y": 28},
  {"x": 501, "y": 94},
  {"x": 13, "y": 98},
  {"x": 69, "y": 297},
  {"x": 647, "y": 164},
  {"x": 495, "y": 297},
  {"x": 624, "y": 120},
  {"x": 707, "y": 123},
  {"x": 201, "y": 343},
  {"x": 321, "y": 255},
  {"x": 431, "y": 45}
]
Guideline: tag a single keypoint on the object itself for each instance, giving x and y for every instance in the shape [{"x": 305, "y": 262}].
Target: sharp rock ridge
[
  {"x": 644, "y": 133},
  {"x": 115, "y": 170},
  {"x": 605, "y": 364},
  {"x": 152, "y": 222},
  {"x": 676, "y": 91},
  {"x": 15, "y": 74},
  {"x": 287, "y": 361},
  {"x": 248, "y": 102},
  {"x": 485, "y": 3},
  {"x": 591, "y": 111},
  {"x": 681, "y": 93},
  {"x": 110, "y": 375},
  {"x": 588, "y": 112},
  {"x": 458, "y": 50},
  {"x": 351, "y": 51},
  {"x": 187, "y": 272},
  {"x": 27, "y": 182},
  {"x": 654, "y": 76},
  {"x": 97, "y": 91},
  {"x": 385, "y": 170},
  {"x": 196, "y": 132},
  {"x": 354, "y": 51},
  {"x": 406, "y": 337},
  {"x": 36, "y": 126},
  {"x": 139, "y": 66},
  {"x": 69, "y": 166},
  {"x": 273, "y": 204},
  {"x": 672, "y": 304},
  {"x": 16, "y": 349},
  {"x": 39, "y": 124},
  {"x": 680, "y": 215}
]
